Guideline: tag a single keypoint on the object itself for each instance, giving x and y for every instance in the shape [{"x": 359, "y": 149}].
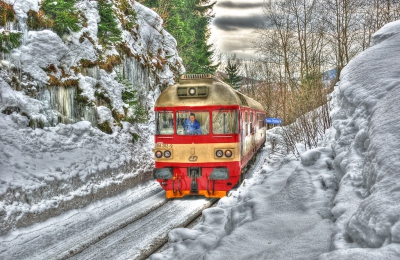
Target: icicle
[{"x": 24, "y": 29}]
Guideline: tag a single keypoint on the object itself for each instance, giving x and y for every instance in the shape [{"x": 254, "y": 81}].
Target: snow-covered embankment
[{"x": 66, "y": 87}]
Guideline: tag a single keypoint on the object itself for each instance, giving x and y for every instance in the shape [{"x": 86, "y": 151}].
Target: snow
[
  {"x": 42, "y": 49},
  {"x": 104, "y": 114},
  {"x": 87, "y": 85}
]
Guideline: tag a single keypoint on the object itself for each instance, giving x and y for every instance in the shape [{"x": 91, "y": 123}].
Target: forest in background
[{"x": 302, "y": 48}]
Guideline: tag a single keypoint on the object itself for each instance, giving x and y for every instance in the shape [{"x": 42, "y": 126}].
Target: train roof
[{"x": 208, "y": 91}]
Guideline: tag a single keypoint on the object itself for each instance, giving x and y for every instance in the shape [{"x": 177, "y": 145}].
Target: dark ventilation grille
[
  {"x": 242, "y": 99},
  {"x": 182, "y": 92},
  {"x": 202, "y": 91},
  {"x": 196, "y": 76}
]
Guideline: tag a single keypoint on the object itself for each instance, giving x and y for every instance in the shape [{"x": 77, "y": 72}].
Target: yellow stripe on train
[{"x": 197, "y": 153}]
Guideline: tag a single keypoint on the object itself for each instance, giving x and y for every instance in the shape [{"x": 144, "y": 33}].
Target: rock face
[{"x": 69, "y": 105}]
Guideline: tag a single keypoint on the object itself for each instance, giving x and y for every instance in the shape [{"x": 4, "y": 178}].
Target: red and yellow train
[{"x": 206, "y": 134}]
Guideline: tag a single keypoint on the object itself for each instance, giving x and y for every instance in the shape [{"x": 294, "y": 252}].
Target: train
[{"x": 206, "y": 133}]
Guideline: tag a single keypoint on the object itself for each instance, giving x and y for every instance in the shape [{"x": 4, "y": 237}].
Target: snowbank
[{"x": 366, "y": 119}]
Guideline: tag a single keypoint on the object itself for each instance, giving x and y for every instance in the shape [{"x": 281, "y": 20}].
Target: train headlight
[
  {"x": 192, "y": 91},
  {"x": 167, "y": 154},
  {"x": 228, "y": 153},
  {"x": 219, "y": 174},
  {"x": 158, "y": 154},
  {"x": 164, "y": 173},
  {"x": 219, "y": 153}
]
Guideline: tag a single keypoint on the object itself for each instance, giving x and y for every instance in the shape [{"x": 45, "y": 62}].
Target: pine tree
[
  {"x": 187, "y": 21},
  {"x": 232, "y": 75},
  {"x": 108, "y": 28}
]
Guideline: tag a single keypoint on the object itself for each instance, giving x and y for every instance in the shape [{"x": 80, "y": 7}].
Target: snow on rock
[
  {"x": 149, "y": 16},
  {"x": 104, "y": 114},
  {"x": 15, "y": 99},
  {"x": 42, "y": 49},
  {"x": 22, "y": 7},
  {"x": 87, "y": 85}
]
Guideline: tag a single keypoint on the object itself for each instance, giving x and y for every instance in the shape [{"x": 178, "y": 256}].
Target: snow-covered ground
[{"x": 340, "y": 201}]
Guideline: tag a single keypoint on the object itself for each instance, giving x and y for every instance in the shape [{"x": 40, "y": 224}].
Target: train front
[{"x": 197, "y": 149}]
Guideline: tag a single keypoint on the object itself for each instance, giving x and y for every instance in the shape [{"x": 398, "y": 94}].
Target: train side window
[
  {"x": 261, "y": 120},
  {"x": 246, "y": 123},
  {"x": 225, "y": 121},
  {"x": 164, "y": 122},
  {"x": 251, "y": 123},
  {"x": 192, "y": 122}
]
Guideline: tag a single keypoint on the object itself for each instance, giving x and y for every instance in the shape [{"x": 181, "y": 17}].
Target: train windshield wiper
[{"x": 216, "y": 117}]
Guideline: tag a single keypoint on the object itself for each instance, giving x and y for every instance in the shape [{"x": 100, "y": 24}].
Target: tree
[
  {"x": 108, "y": 28},
  {"x": 64, "y": 14},
  {"x": 232, "y": 74},
  {"x": 188, "y": 21}
]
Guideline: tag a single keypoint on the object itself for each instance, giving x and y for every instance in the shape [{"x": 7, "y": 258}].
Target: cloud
[
  {"x": 232, "y": 5},
  {"x": 235, "y": 23}
]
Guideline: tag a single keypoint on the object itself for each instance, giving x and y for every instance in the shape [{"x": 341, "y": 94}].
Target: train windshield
[
  {"x": 164, "y": 122},
  {"x": 225, "y": 121},
  {"x": 192, "y": 122}
]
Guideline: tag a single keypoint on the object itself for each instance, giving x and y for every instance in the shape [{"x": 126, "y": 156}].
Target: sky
[
  {"x": 232, "y": 29},
  {"x": 340, "y": 200}
]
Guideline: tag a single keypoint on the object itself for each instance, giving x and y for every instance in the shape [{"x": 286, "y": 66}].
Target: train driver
[{"x": 192, "y": 126}]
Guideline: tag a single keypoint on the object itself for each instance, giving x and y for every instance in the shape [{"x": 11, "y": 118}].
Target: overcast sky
[{"x": 234, "y": 24}]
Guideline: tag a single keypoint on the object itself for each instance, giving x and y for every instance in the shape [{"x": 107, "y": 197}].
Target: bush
[
  {"x": 6, "y": 13},
  {"x": 9, "y": 41},
  {"x": 105, "y": 127},
  {"x": 126, "y": 14},
  {"x": 64, "y": 14}
]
